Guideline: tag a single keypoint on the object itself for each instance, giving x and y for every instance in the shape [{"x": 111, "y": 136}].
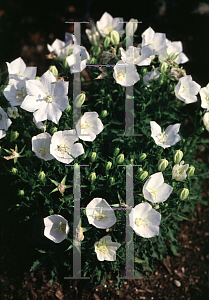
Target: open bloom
[
  {"x": 83, "y": 55},
  {"x": 106, "y": 249},
  {"x": 145, "y": 220},
  {"x": 62, "y": 146},
  {"x": 125, "y": 74},
  {"x": 137, "y": 56},
  {"x": 15, "y": 92},
  {"x": 204, "y": 94},
  {"x": 5, "y": 122},
  {"x": 107, "y": 23},
  {"x": 167, "y": 138},
  {"x": 158, "y": 40},
  {"x": 150, "y": 76},
  {"x": 88, "y": 126},
  {"x": 186, "y": 89},
  {"x": 179, "y": 171},
  {"x": 100, "y": 214},
  {"x": 56, "y": 228},
  {"x": 155, "y": 190},
  {"x": 206, "y": 120},
  {"x": 61, "y": 49},
  {"x": 17, "y": 69},
  {"x": 46, "y": 98},
  {"x": 41, "y": 146},
  {"x": 174, "y": 48}
]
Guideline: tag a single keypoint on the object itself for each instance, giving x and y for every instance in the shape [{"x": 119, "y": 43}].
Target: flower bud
[
  {"x": 21, "y": 193},
  {"x": 96, "y": 50},
  {"x": 53, "y": 130},
  {"x": 54, "y": 70},
  {"x": 184, "y": 194},
  {"x": 144, "y": 175},
  {"x": 93, "y": 61},
  {"x": 65, "y": 63},
  {"x": 41, "y": 176},
  {"x": 28, "y": 153},
  {"x": 152, "y": 57},
  {"x": 37, "y": 77},
  {"x": 68, "y": 109},
  {"x": 131, "y": 27},
  {"x": 200, "y": 130},
  {"x": 115, "y": 38},
  {"x": 112, "y": 180},
  {"x": 93, "y": 156},
  {"x": 163, "y": 67},
  {"x": 79, "y": 100},
  {"x": 103, "y": 114},
  {"x": 120, "y": 158},
  {"x": 116, "y": 151},
  {"x": 191, "y": 171},
  {"x": 162, "y": 164},
  {"x": 142, "y": 157},
  {"x": 13, "y": 136},
  {"x": 108, "y": 165},
  {"x": 140, "y": 170},
  {"x": 107, "y": 41},
  {"x": 92, "y": 176},
  {"x": 178, "y": 156},
  {"x": 14, "y": 171}
]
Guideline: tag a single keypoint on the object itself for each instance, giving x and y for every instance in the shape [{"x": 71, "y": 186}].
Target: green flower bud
[
  {"x": 103, "y": 114},
  {"x": 68, "y": 109},
  {"x": 115, "y": 38},
  {"x": 143, "y": 71},
  {"x": 14, "y": 171},
  {"x": 162, "y": 164},
  {"x": 112, "y": 180},
  {"x": 37, "y": 77},
  {"x": 108, "y": 165},
  {"x": 184, "y": 194},
  {"x": 21, "y": 193},
  {"x": 54, "y": 70},
  {"x": 140, "y": 170},
  {"x": 163, "y": 67},
  {"x": 28, "y": 153},
  {"x": 92, "y": 176},
  {"x": 170, "y": 88},
  {"x": 53, "y": 130},
  {"x": 144, "y": 175},
  {"x": 107, "y": 41},
  {"x": 120, "y": 158},
  {"x": 93, "y": 61},
  {"x": 178, "y": 156},
  {"x": 65, "y": 63},
  {"x": 116, "y": 151},
  {"x": 79, "y": 100},
  {"x": 96, "y": 50},
  {"x": 200, "y": 130},
  {"x": 93, "y": 156},
  {"x": 142, "y": 156},
  {"x": 190, "y": 171},
  {"x": 41, "y": 176},
  {"x": 13, "y": 136}
]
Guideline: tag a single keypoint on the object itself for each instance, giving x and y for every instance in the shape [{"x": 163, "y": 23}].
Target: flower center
[
  {"x": 140, "y": 222},
  {"x": 101, "y": 247},
  {"x": 61, "y": 228},
  {"x": 162, "y": 137},
  {"x": 121, "y": 76},
  {"x": 20, "y": 94},
  {"x": 84, "y": 125},
  {"x": 181, "y": 170},
  {"x": 18, "y": 74},
  {"x": 42, "y": 151},
  {"x": 48, "y": 98},
  {"x": 107, "y": 29},
  {"x": 100, "y": 216},
  {"x": 152, "y": 44},
  {"x": 183, "y": 90},
  {"x": 153, "y": 193}
]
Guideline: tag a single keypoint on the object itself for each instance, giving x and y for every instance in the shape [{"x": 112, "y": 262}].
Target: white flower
[
  {"x": 90, "y": 125},
  {"x": 145, "y": 220},
  {"x": 84, "y": 58},
  {"x": 100, "y": 214},
  {"x": 155, "y": 190},
  {"x": 41, "y": 146},
  {"x": 56, "y": 228},
  {"x": 15, "y": 92},
  {"x": 12, "y": 112},
  {"x": 150, "y": 76},
  {"x": 5, "y": 122},
  {"x": 125, "y": 74},
  {"x": 204, "y": 94},
  {"x": 93, "y": 35},
  {"x": 60, "y": 48},
  {"x": 172, "y": 49},
  {"x": 158, "y": 40},
  {"x": 2, "y": 134},
  {"x": 186, "y": 89},
  {"x": 46, "y": 98},
  {"x": 40, "y": 125},
  {"x": 167, "y": 138},
  {"x": 179, "y": 171},
  {"x": 107, "y": 23},
  {"x": 17, "y": 69},
  {"x": 130, "y": 29},
  {"x": 206, "y": 120},
  {"x": 137, "y": 56},
  {"x": 106, "y": 249},
  {"x": 62, "y": 146}
]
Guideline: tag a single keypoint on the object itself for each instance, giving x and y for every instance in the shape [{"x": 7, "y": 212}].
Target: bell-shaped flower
[
  {"x": 5, "y": 122},
  {"x": 158, "y": 40},
  {"x": 150, "y": 76},
  {"x": 56, "y": 228},
  {"x": 145, "y": 220},
  {"x": 88, "y": 126},
  {"x": 106, "y": 249},
  {"x": 174, "y": 49},
  {"x": 125, "y": 74},
  {"x": 179, "y": 171},
  {"x": 167, "y": 138},
  {"x": 137, "y": 56},
  {"x": 204, "y": 94},
  {"x": 41, "y": 146},
  {"x": 15, "y": 92},
  {"x": 12, "y": 112},
  {"x": 155, "y": 190},
  {"x": 17, "y": 69},
  {"x": 84, "y": 58},
  {"x": 100, "y": 214},
  {"x": 107, "y": 23},
  {"x": 186, "y": 89},
  {"x": 63, "y": 148},
  {"x": 93, "y": 36},
  {"x": 61, "y": 49},
  {"x": 46, "y": 98},
  {"x": 206, "y": 120}
]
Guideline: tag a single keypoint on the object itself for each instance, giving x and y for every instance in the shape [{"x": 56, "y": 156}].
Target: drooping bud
[
  {"x": 164, "y": 67},
  {"x": 140, "y": 170},
  {"x": 108, "y": 165},
  {"x": 178, "y": 156},
  {"x": 142, "y": 157},
  {"x": 54, "y": 70},
  {"x": 103, "y": 114},
  {"x": 107, "y": 41},
  {"x": 93, "y": 176},
  {"x": 184, "y": 194},
  {"x": 41, "y": 176},
  {"x": 191, "y": 171},
  {"x": 116, "y": 151},
  {"x": 13, "y": 136},
  {"x": 120, "y": 158},
  {"x": 144, "y": 175},
  {"x": 162, "y": 164},
  {"x": 79, "y": 100},
  {"x": 115, "y": 38},
  {"x": 21, "y": 193},
  {"x": 93, "y": 156}
]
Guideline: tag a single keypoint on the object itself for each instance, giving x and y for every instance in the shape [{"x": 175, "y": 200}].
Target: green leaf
[
  {"x": 139, "y": 261},
  {"x": 35, "y": 265}
]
